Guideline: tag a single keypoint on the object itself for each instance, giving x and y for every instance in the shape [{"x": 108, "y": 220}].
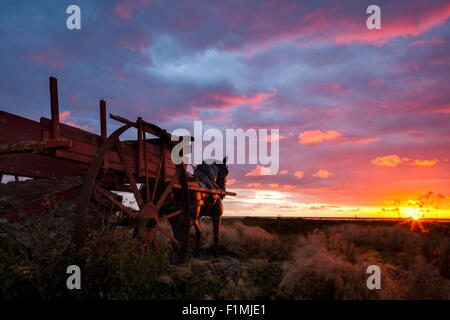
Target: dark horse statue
[{"x": 211, "y": 174}]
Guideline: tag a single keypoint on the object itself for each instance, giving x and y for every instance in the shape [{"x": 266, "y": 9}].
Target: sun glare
[{"x": 413, "y": 213}]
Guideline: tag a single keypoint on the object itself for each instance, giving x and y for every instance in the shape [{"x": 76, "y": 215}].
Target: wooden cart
[{"x": 49, "y": 148}]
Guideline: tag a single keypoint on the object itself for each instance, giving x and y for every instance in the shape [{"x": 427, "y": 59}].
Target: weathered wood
[
  {"x": 103, "y": 131},
  {"x": 35, "y": 146},
  {"x": 54, "y": 107},
  {"x": 40, "y": 203}
]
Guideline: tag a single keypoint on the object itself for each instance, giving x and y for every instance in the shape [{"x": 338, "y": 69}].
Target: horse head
[{"x": 215, "y": 171}]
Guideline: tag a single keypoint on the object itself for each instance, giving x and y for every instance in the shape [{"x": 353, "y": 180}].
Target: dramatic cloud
[{"x": 357, "y": 102}]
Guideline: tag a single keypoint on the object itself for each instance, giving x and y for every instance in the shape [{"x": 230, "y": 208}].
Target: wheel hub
[{"x": 148, "y": 222}]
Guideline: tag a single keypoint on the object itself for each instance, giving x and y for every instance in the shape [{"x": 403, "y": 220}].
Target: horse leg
[
  {"x": 176, "y": 224},
  {"x": 216, "y": 230},
  {"x": 198, "y": 235},
  {"x": 217, "y": 219}
]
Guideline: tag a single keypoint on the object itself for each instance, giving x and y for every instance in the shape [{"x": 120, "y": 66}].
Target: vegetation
[{"x": 260, "y": 259}]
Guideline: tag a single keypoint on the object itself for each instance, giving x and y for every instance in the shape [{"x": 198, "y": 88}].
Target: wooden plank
[
  {"x": 14, "y": 128},
  {"x": 73, "y": 133},
  {"x": 40, "y": 204},
  {"x": 54, "y": 105},
  {"x": 206, "y": 190},
  {"x": 35, "y": 146}
]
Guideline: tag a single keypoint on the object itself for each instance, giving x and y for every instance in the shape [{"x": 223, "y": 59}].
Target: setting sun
[{"x": 414, "y": 213}]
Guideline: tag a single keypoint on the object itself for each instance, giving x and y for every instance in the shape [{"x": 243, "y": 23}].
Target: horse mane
[{"x": 207, "y": 173}]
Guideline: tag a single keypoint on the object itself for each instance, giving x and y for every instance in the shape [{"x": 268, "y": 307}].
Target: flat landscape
[{"x": 260, "y": 258}]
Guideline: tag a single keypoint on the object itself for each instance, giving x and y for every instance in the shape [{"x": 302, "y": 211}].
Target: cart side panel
[
  {"x": 14, "y": 128},
  {"x": 86, "y": 145}
]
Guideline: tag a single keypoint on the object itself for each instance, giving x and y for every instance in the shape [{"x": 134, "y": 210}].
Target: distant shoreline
[{"x": 335, "y": 218}]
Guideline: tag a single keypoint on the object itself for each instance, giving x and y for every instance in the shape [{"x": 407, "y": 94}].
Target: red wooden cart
[{"x": 51, "y": 149}]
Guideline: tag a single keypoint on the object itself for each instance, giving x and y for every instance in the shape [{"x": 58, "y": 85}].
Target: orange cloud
[
  {"x": 322, "y": 173},
  {"x": 299, "y": 174},
  {"x": 316, "y": 136},
  {"x": 273, "y": 185},
  {"x": 230, "y": 182},
  {"x": 392, "y": 160},
  {"x": 253, "y": 185},
  {"x": 243, "y": 99},
  {"x": 283, "y": 172},
  {"x": 258, "y": 171},
  {"x": 426, "y": 163},
  {"x": 275, "y": 137}
]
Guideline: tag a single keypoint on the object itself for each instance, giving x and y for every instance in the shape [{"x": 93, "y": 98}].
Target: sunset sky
[{"x": 364, "y": 115}]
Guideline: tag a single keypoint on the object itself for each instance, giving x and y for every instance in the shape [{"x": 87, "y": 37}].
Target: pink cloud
[
  {"x": 244, "y": 99},
  {"x": 316, "y": 136},
  {"x": 64, "y": 118},
  {"x": 231, "y": 182},
  {"x": 133, "y": 45},
  {"x": 126, "y": 9},
  {"x": 258, "y": 171},
  {"x": 76, "y": 125},
  {"x": 299, "y": 174},
  {"x": 425, "y": 42},
  {"x": 376, "y": 82},
  {"x": 322, "y": 173},
  {"x": 332, "y": 87},
  {"x": 50, "y": 58},
  {"x": 273, "y": 137},
  {"x": 254, "y": 185},
  {"x": 412, "y": 23},
  {"x": 64, "y": 115}
]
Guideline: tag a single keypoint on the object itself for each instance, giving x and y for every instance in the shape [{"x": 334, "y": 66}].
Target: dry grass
[
  {"x": 255, "y": 263},
  {"x": 331, "y": 264}
]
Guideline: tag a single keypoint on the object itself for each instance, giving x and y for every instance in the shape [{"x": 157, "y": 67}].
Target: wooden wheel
[{"x": 145, "y": 222}]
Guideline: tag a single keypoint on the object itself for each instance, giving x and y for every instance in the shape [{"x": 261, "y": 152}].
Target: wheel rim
[{"x": 147, "y": 219}]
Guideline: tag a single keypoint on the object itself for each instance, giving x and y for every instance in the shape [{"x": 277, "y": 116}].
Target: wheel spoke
[
  {"x": 173, "y": 214},
  {"x": 166, "y": 192},
  {"x": 117, "y": 233},
  {"x": 168, "y": 235},
  {"x": 161, "y": 161},
  {"x": 129, "y": 174},
  {"x": 147, "y": 187},
  {"x": 110, "y": 196},
  {"x": 156, "y": 245},
  {"x": 79, "y": 236}
]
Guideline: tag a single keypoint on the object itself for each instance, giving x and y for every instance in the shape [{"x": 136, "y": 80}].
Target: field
[{"x": 260, "y": 259}]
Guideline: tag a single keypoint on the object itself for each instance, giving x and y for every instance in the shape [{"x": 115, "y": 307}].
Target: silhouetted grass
[{"x": 260, "y": 259}]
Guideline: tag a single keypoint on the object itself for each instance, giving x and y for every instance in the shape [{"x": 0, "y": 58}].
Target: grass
[{"x": 260, "y": 259}]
